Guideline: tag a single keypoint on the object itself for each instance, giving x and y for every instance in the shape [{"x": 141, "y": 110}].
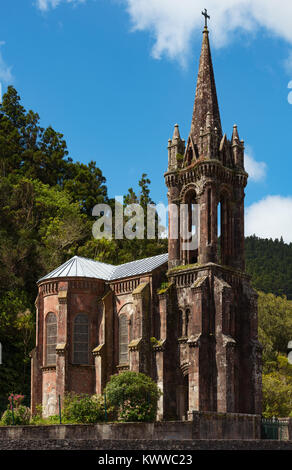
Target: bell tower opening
[
  {"x": 190, "y": 228},
  {"x": 224, "y": 230}
]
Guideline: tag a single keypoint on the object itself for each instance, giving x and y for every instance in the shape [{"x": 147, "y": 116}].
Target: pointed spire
[
  {"x": 176, "y": 134},
  {"x": 206, "y": 95}
]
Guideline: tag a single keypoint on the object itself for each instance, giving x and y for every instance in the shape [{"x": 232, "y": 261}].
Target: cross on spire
[{"x": 205, "y": 14}]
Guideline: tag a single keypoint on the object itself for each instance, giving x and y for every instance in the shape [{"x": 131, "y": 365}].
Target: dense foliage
[
  {"x": 269, "y": 262},
  {"x": 82, "y": 408},
  {"x": 134, "y": 396},
  {"x": 277, "y": 389},
  {"x": 45, "y": 218},
  {"x": 275, "y": 331}
]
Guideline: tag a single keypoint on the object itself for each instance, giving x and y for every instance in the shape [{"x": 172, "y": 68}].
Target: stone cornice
[
  {"x": 205, "y": 168},
  {"x": 173, "y": 272}
]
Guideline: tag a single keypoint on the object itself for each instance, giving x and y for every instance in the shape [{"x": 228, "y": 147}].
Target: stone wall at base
[
  {"x": 202, "y": 426},
  {"x": 139, "y": 444},
  {"x": 208, "y": 425}
]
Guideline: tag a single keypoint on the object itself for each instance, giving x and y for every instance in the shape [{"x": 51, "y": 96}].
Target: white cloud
[
  {"x": 45, "y": 5},
  {"x": 256, "y": 170},
  {"x": 5, "y": 70},
  {"x": 173, "y": 23},
  {"x": 270, "y": 218}
]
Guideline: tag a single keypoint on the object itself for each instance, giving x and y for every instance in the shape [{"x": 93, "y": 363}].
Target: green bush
[
  {"x": 82, "y": 408},
  {"x": 21, "y": 416},
  {"x": 134, "y": 396}
]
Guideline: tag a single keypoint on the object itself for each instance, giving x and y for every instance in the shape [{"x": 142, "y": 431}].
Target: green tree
[
  {"x": 277, "y": 390},
  {"x": 86, "y": 184},
  {"x": 28, "y": 149},
  {"x": 275, "y": 324}
]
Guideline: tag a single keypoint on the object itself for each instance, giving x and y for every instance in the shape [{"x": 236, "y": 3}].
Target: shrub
[
  {"x": 82, "y": 408},
  {"x": 21, "y": 416},
  {"x": 134, "y": 396},
  {"x": 15, "y": 413}
]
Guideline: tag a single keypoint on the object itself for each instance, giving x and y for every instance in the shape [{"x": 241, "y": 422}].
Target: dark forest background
[{"x": 46, "y": 200}]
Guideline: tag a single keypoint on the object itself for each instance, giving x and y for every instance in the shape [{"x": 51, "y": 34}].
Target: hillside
[{"x": 270, "y": 265}]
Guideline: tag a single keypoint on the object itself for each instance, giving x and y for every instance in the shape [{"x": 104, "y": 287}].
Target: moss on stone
[
  {"x": 164, "y": 287},
  {"x": 183, "y": 267},
  {"x": 155, "y": 342}
]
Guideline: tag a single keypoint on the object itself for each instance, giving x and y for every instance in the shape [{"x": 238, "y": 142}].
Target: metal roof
[
  {"x": 84, "y": 267},
  {"x": 140, "y": 266}
]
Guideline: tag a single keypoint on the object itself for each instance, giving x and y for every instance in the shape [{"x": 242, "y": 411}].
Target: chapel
[{"x": 186, "y": 318}]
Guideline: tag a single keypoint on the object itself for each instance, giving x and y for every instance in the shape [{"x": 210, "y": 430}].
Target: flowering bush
[
  {"x": 15, "y": 413},
  {"x": 15, "y": 399},
  {"x": 21, "y": 416},
  {"x": 134, "y": 395}
]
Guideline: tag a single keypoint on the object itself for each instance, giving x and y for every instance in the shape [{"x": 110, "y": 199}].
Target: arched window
[
  {"x": 51, "y": 339},
  {"x": 224, "y": 227},
  {"x": 190, "y": 228},
  {"x": 123, "y": 340},
  {"x": 80, "y": 339}
]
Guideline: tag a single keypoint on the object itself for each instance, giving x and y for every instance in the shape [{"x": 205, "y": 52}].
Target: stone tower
[{"x": 219, "y": 355}]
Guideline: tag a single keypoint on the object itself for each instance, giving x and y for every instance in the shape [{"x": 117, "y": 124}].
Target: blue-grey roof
[
  {"x": 84, "y": 267},
  {"x": 139, "y": 266}
]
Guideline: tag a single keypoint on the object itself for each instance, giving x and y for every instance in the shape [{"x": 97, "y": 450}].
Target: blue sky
[{"x": 114, "y": 76}]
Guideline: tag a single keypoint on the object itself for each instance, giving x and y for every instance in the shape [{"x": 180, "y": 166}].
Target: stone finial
[
  {"x": 235, "y": 136},
  {"x": 176, "y": 134}
]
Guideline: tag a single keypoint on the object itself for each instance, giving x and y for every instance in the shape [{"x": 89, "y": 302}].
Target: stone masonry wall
[{"x": 203, "y": 426}]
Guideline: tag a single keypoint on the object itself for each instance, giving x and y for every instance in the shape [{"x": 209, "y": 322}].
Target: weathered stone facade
[
  {"x": 219, "y": 352},
  {"x": 197, "y": 336}
]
